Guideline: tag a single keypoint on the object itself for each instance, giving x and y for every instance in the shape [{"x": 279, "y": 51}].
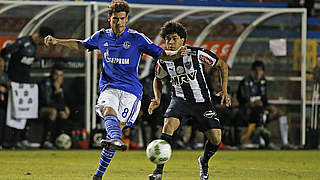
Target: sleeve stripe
[
  {"x": 159, "y": 71},
  {"x": 146, "y": 38},
  {"x": 141, "y": 34}
]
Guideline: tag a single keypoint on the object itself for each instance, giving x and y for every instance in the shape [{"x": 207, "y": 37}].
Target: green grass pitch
[{"x": 133, "y": 165}]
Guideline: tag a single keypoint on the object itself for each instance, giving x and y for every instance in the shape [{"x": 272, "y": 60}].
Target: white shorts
[{"x": 126, "y": 105}]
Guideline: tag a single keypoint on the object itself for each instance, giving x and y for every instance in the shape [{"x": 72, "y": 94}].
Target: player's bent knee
[
  {"x": 216, "y": 140},
  {"x": 108, "y": 110},
  {"x": 214, "y": 136}
]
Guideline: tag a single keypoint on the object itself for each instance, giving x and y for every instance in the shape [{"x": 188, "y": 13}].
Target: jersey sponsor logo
[
  {"x": 183, "y": 78},
  {"x": 210, "y": 114},
  {"x": 206, "y": 59},
  {"x": 126, "y": 45},
  {"x": 117, "y": 60}
]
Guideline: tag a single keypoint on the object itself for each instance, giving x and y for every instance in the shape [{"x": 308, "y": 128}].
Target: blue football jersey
[{"x": 121, "y": 58}]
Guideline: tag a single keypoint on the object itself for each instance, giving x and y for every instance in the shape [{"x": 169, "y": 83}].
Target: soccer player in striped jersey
[
  {"x": 120, "y": 90},
  {"x": 190, "y": 93}
]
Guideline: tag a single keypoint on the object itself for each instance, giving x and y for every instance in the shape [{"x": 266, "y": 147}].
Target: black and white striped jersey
[{"x": 187, "y": 74}]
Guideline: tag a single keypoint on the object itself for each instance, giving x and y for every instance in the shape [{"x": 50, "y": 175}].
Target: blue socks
[
  {"x": 105, "y": 159},
  {"x": 113, "y": 131},
  {"x": 112, "y": 126}
]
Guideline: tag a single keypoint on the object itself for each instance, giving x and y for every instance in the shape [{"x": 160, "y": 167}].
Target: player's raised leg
[
  {"x": 107, "y": 107},
  {"x": 128, "y": 110}
]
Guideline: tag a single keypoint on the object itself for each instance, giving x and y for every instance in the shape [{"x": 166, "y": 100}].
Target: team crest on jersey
[
  {"x": 106, "y": 44},
  {"x": 126, "y": 45},
  {"x": 180, "y": 70}
]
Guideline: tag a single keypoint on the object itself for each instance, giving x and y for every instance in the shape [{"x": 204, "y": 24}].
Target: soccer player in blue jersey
[{"x": 120, "y": 89}]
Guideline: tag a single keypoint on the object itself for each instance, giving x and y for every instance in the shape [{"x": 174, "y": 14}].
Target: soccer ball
[
  {"x": 63, "y": 141},
  {"x": 159, "y": 151}
]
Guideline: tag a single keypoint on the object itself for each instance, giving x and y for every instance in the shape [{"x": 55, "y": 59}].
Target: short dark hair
[
  {"x": 172, "y": 27},
  {"x": 118, "y": 6},
  {"x": 45, "y": 31},
  {"x": 257, "y": 64}
]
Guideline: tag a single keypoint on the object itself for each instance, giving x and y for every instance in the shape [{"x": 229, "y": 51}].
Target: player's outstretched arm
[
  {"x": 172, "y": 55},
  {"x": 157, "y": 90},
  {"x": 70, "y": 43},
  {"x": 224, "y": 93}
]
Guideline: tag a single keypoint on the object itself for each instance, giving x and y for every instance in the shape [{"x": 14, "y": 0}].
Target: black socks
[
  {"x": 167, "y": 138},
  {"x": 209, "y": 150}
]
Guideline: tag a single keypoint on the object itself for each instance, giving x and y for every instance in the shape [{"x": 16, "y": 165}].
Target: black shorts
[{"x": 203, "y": 113}]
